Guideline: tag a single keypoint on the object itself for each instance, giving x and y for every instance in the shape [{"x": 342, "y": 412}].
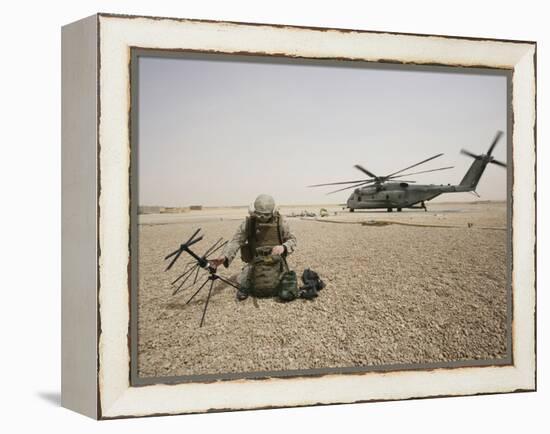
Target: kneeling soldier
[{"x": 265, "y": 241}]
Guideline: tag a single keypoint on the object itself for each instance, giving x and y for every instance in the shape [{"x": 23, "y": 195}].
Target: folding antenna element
[{"x": 198, "y": 263}]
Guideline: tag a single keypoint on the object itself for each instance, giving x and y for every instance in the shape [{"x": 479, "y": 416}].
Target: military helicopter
[{"x": 392, "y": 193}]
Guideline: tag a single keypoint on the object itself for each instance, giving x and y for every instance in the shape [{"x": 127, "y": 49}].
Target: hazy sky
[{"x": 218, "y": 132}]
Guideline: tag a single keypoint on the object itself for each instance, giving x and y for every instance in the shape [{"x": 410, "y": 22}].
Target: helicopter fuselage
[
  {"x": 388, "y": 192},
  {"x": 398, "y": 195}
]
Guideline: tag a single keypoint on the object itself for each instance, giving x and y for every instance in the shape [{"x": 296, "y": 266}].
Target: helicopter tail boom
[{"x": 473, "y": 175}]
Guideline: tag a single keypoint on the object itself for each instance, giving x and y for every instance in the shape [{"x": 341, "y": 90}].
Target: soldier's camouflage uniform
[{"x": 240, "y": 239}]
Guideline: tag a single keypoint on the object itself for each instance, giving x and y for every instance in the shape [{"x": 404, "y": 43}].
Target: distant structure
[
  {"x": 165, "y": 209},
  {"x": 195, "y": 207},
  {"x": 173, "y": 210},
  {"x": 149, "y": 210}
]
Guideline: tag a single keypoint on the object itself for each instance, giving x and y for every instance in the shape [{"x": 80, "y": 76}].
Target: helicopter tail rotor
[
  {"x": 488, "y": 156},
  {"x": 473, "y": 175}
]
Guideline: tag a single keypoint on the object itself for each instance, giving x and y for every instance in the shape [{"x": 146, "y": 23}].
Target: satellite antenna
[{"x": 194, "y": 266}]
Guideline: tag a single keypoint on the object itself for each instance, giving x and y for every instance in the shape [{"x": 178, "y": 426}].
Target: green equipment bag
[
  {"x": 288, "y": 286},
  {"x": 266, "y": 275}
]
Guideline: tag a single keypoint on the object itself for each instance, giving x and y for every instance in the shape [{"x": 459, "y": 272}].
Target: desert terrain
[{"x": 401, "y": 288}]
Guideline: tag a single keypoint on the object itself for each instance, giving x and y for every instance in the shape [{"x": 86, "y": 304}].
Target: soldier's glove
[
  {"x": 218, "y": 261},
  {"x": 278, "y": 250}
]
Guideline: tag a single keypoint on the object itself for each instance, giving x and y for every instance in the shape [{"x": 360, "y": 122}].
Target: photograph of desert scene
[{"x": 423, "y": 285}]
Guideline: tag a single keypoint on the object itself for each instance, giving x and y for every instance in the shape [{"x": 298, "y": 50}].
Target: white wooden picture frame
[{"x": 96, "y": 136}]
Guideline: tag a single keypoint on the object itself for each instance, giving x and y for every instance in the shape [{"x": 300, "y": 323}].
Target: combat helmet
[{"x": 264, "y": 206}]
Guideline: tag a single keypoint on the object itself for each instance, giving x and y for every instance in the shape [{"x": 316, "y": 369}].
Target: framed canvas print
[{"x": 263, "y": 216}]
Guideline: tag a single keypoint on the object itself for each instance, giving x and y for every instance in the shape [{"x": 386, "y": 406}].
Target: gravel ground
[{"x": 395, "y": 294}]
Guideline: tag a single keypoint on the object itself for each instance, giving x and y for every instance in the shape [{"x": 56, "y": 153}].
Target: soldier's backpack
[{"x": 266, "y": 275}]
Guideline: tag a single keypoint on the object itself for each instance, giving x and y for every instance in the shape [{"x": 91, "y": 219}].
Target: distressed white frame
[{"x": 116, "y": 35}]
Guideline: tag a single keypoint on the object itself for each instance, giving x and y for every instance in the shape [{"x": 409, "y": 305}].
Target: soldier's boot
[{"x": 242, "y": 294}]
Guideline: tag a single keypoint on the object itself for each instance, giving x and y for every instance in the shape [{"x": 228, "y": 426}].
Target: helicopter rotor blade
[
  {"x": 414, "y": 165},
  {"x": 403, "y": 180},
  {"x": 424, "y": 171},
  {"x": 353, "y": 186},
  {"x": 468, "y": 153},
  {"x": 499, "y": 163},
  {"x": 338, "y": 183},
  {"x": 365, "y": 171},
  {"x": 495, "y": 140}
]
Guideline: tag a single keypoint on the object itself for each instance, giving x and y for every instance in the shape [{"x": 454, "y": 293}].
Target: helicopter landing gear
[
  {"x": 351, "y": 210},
  {"x": 390, "y": 209},
  {"x": 423, "y": 205}
]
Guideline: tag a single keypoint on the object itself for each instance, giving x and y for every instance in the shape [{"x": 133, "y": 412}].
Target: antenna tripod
[{"x": 200, "y": 262}]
